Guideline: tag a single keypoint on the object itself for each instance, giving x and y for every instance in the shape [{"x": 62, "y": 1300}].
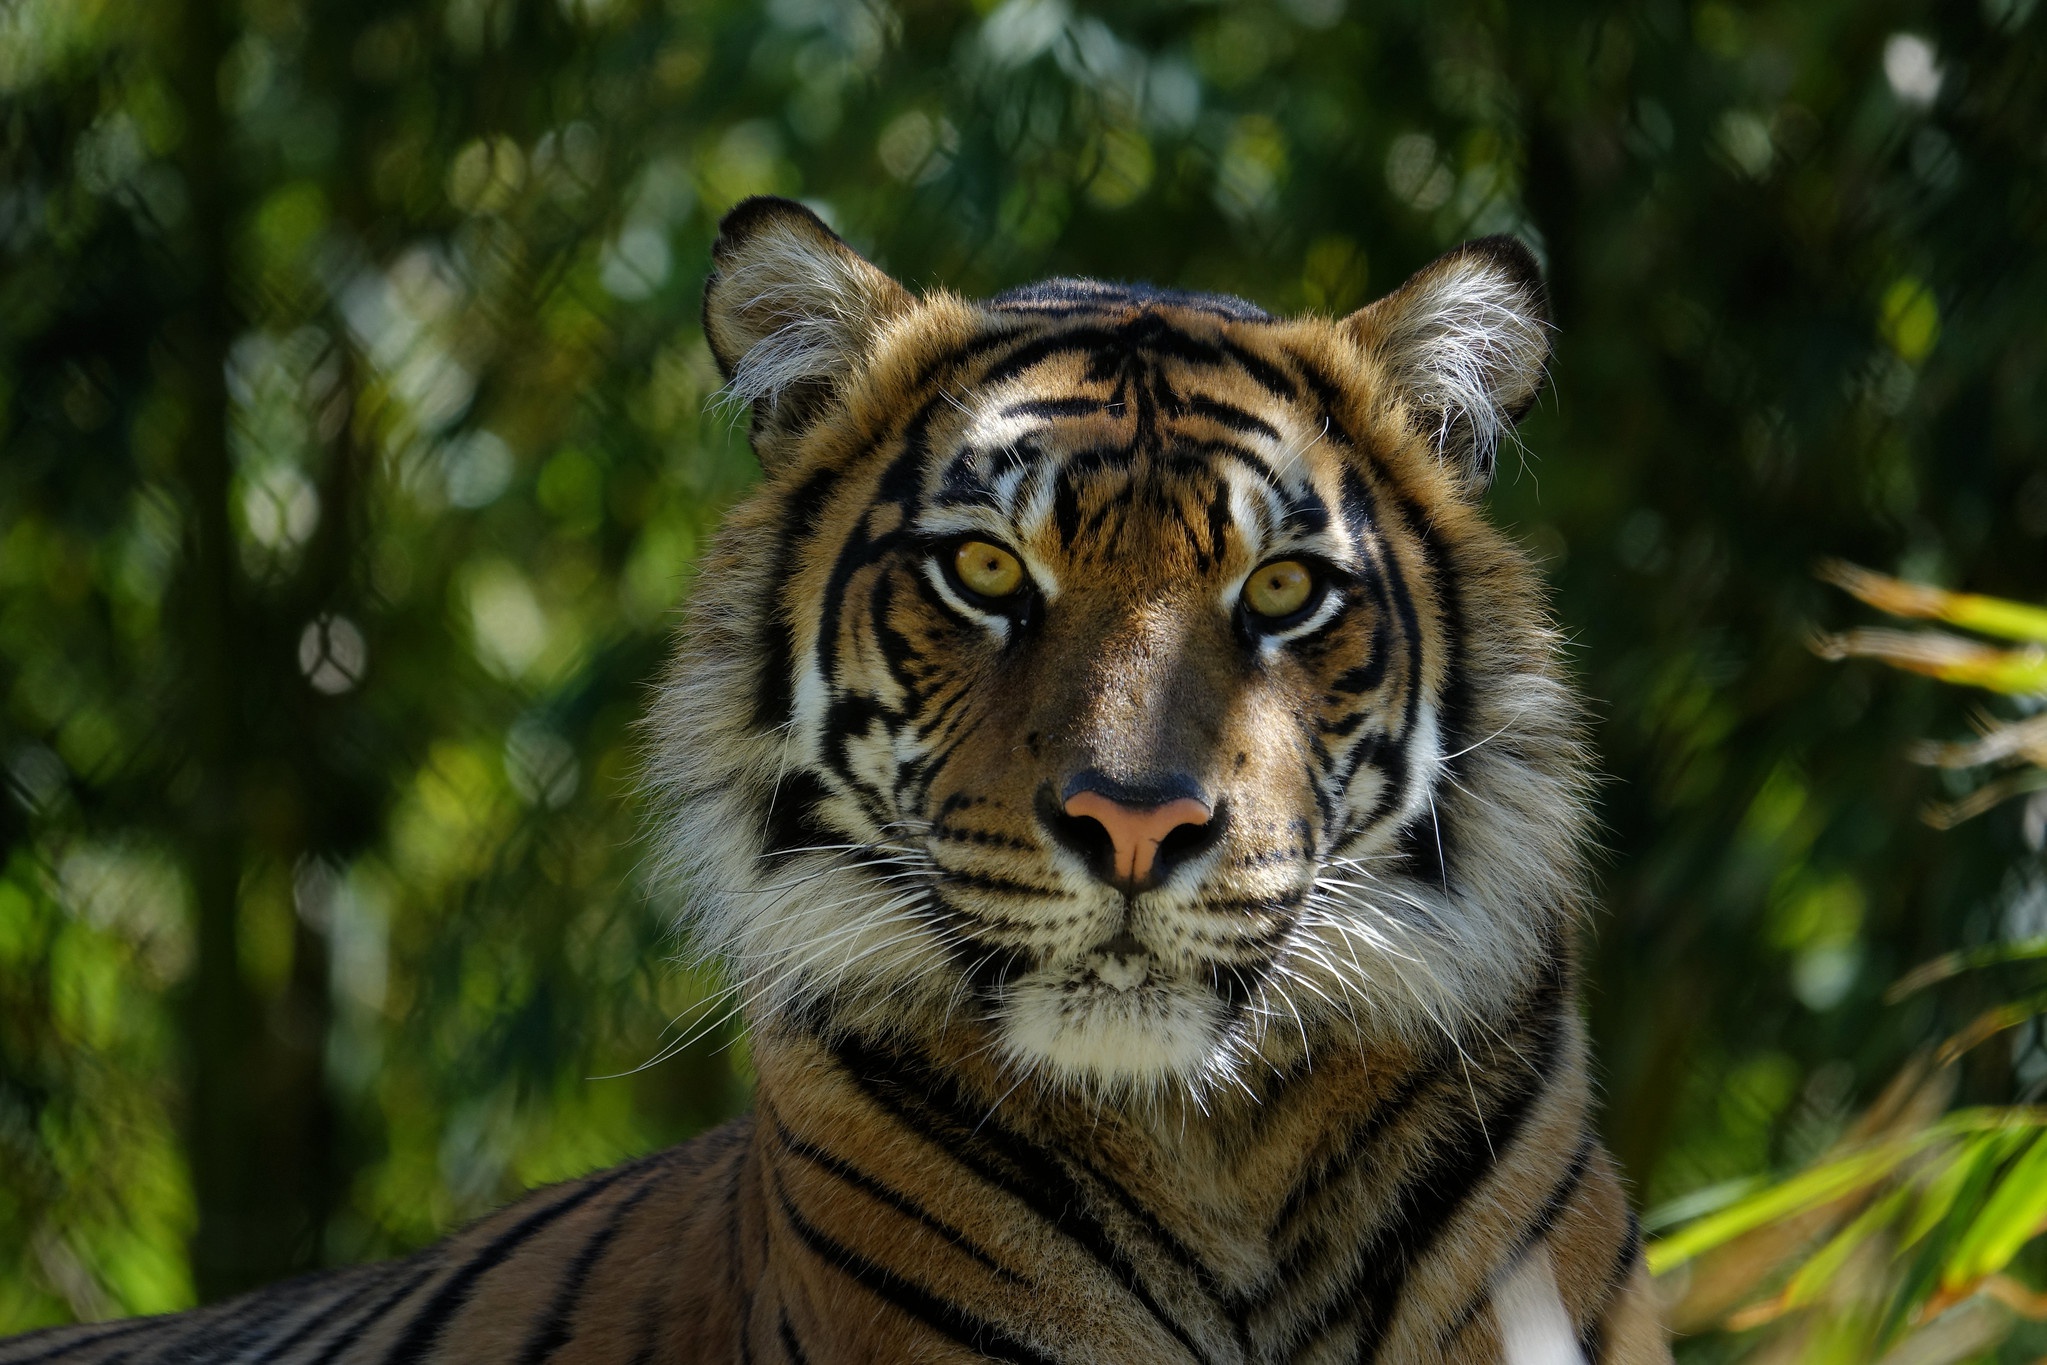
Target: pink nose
[{"x": 1135, "y": 834}]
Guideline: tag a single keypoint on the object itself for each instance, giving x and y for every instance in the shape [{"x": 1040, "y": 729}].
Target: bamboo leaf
[
  {"x": 1812, "y": 1278},
  {"x": 2010, "y": 1218},
  {"x": 1992, "y": 1022},
  {"x": 2018, "y": 672},
  {"x": 1801, "y": 1193},
  {"x": 1701, "y": 1202},
  {"x": 1830, "y": 1180},
  {"x": 1960, "y": 1183},
  {"x": 1953, "y": 1198},
  {"x": 1991, "y": 615},
  {"x": 1949, "y": 814},
  {"x": 1953, "y": 964}
]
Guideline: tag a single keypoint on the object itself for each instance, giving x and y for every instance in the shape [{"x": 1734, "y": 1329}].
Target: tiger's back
[
  {"x": 1133, "y": 790},
  {"x": 582, "y": 1262}
]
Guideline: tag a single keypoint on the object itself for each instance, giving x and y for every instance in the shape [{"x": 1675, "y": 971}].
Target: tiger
[{"x": 1137, "y": 801}]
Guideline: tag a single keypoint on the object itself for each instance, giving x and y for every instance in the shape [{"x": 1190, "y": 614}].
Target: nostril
[
  {"x": 1186, "y": 843},
  {"x": 1129, "y": 843},
  {"x": 1084, "y": 837}
]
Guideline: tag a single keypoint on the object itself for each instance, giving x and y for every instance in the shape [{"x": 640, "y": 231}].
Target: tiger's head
[{"x": 1127, "y": 675}]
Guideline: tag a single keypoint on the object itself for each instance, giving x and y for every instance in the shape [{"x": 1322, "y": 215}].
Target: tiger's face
[{"x": 1110, "y": 671}]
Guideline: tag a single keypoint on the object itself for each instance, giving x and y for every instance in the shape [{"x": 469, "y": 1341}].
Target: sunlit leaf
[
  {"x": 2011, "y": 1218},
  {"x": 1971, "y": 611},
  {"x": 1950, "y": 658},
  {"x": 1829, "y": 1181},
  {"x": 1801, "y": 1193}
]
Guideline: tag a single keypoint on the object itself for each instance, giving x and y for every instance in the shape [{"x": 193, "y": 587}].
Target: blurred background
[{"x": 356, "y": 441}]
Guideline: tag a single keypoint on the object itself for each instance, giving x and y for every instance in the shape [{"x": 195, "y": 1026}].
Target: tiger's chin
[{"x": 1112, "y": 1025}]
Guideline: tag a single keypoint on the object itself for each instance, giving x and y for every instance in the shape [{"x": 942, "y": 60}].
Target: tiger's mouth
[
  {"x": 1112, "y": 1020},
  {"x": 1123, "y": 1012},
  {"x": 1121, "y": 962}
]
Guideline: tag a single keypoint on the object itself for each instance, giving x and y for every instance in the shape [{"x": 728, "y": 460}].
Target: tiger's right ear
[{"x": 790, "y": 310}]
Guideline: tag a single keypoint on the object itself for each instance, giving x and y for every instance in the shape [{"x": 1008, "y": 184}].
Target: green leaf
[
  {"x": 1970, "y": 1170},
  {"x": 1802, "y": 1193},
  {"x": 1819, "y": 1270},
  {"x": 1945, "y": 1217},
  {"x": 1972, "y": 611},
  {"x": 2010, "y": 1219},
  {"x": 1834, "y": 1179}
]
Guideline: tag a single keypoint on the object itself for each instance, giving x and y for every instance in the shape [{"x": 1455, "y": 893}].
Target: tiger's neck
[{"x": 1236, "y": 1189}]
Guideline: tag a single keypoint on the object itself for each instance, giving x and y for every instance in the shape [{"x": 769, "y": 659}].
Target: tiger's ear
[
  {"x": 789, "y": 311},
  {"x": 1465, "y": 341}
]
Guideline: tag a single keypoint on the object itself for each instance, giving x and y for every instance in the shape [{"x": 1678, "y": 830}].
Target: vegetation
[
  {"x": 355, "y": 446},
  {"x": 1902, "y": 1238}
]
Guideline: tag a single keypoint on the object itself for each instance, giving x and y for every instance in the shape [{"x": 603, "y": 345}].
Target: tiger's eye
[
  {"x": 987, "y": 569},
  {"x": 1280, "y": 588}
]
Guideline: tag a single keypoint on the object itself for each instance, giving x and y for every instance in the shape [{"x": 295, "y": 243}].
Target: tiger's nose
[{"x": 1130, "y": 842}]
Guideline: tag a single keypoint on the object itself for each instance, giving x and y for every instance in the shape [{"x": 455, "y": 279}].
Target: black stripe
[
  {"x": 1432, "y": 1199},
  {"x": 1053, "y": 407},
  {"x": 851, "y": 1175},
  {"x": 423, "y": 1333},
  {"x": 651, "y": 1318},
  {"x": 800, "y": 516},
  {"x": 1263, "y": 372},
  {"x": 228, "y": 1332},
  {"x": 1436, "y": 1186},
  {"x": 1593, "y": 1342},
  {"x": 930, "y": 1104},
  {"x": 552, "y": 1333},
  {"x": 1068, "y": 294},
  {"x": 1005, "y": 886},
  {"x": 350, "y": 1334},
  {"x": 1565, "y": 1190},
  {"x": 1230, "y": 415},
  {"x": 791, "y": 1347},
  {"x": 79, "y": 1343},
  {"x": 1389, "y": 1111},
  {"x": 1457, "y": 700},
  {"x": 915, "y": 1301},
  {"x": 735, "y": 1271}
]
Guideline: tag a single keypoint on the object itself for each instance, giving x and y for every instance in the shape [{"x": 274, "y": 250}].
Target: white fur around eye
[
  {"x": 1332, "y": 602},
  {"x": 934, "y": 573}
]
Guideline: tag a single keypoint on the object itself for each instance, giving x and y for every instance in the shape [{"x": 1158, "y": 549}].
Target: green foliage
[
  {"x": 1885, "y": 1237},
  {"x": 357, "y": 444}
]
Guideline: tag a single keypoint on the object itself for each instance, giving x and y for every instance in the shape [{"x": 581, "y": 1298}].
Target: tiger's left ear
[
  {"x": 1464, "y": 341},
  {"x": 790, "y": 311}
]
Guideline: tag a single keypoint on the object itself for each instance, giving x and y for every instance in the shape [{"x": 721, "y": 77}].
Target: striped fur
[{"x": 1319, "y": 1094}]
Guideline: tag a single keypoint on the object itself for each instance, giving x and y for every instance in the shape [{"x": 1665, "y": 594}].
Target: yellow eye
[
  {"x": 1280, "y": 588},
  {"x": 987, "y": 569}
]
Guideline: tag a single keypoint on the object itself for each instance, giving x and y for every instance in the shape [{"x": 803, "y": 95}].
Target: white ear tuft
[
  {"x": 789, "y": 311},
  {"x": 1465, "y": 341}
]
